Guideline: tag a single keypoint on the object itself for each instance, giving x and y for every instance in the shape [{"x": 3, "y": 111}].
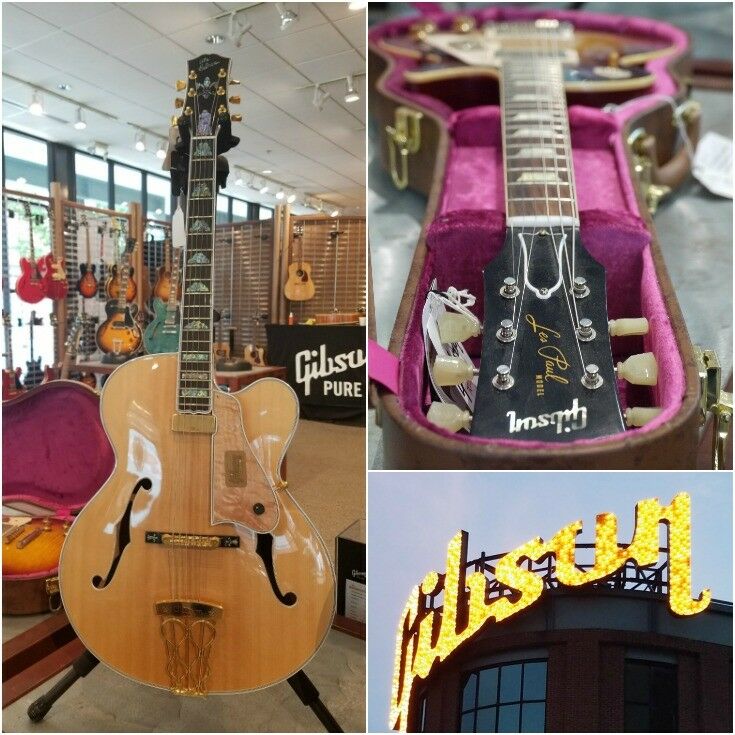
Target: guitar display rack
[{"x": 338, "y": 275}]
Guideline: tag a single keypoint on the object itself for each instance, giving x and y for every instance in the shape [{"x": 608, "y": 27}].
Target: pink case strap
[{"x": 382, "y": 366}]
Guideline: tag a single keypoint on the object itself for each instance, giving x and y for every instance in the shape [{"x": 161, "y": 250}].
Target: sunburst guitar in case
[{"x": 195, "y": 537}]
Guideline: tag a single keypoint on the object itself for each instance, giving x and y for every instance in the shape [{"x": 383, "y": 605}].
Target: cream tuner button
[
  {"x": 639, "y": 369},
  {"x": 452, "y": 371},
  {"x": 456, "y": 327},
  {"x": 449, "y": 417},
  {"x": 640, "y": 416},
  {"x": 628, "y": 327}
]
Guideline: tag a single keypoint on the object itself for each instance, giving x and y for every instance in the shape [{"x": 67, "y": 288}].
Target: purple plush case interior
[
  {"x": 56, "y": 453},
  {"x": 469, "y": 227}
]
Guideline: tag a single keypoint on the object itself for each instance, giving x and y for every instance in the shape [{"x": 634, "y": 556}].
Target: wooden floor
[{"x": 326, "y": 476}]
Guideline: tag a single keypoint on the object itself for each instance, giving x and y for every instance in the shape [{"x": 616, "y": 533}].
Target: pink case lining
[{"x": 470, "y": 224}]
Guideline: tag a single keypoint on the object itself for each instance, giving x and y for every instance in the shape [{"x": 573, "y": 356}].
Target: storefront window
[
  {"x": 92, "y": 175},
  {"x": 223, "y": 209},
  {"x": 651, "y": 702},
  {"x": 265, "y": 213},
  {"x": 25, "y": 164},
  {"x": 128, "y": 187},
  {"x": 159, "y": 197},
  {"x": 505, "y": 698},
  {"x": 240, "y": 210}
]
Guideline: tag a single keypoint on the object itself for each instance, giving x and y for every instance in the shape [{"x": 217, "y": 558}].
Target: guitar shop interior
[{"x": 96, "y": 244}]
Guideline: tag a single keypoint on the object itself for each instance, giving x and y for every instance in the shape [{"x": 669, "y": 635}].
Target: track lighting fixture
[
  {"x": 139, "y": 141},
  {"x": 79, "y": 124},
  {"x": 280, "y": 194},
  {"x": 351, "y": 94},
  {"x": 319, "y": 205},
  {"x": 161, "y": 151},
  {"x": 287, "y": 16},
  {"x": 236, "y": 29},
  {"x": 264, "y": 188},
  {"x": 291, "y": 198},
  {"x": 238, "y": 180},
  {"x": 319, "y": 98},
  {"x": 36, "y": 106},
  {"x": 334, "y": 213}
]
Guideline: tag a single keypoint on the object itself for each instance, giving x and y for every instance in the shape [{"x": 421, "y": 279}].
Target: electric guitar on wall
[
  {"x": 194, "y": 537},
  {"x": 300, "y": 285},
  {"x": 34, "y": 371},
  {"x": 11, "y": 375},
  {"x": 32, "y": 283},
  {"x": 70, "y": 352},
  {"x": 122, "y": 271},
  {"x": 102, "y": 279},
  {"x": 162, "y": 334},
  {"x": 87, "y": 284},
  {"x": 54, "y": 271},
  {"x": 547, "y": 371},
  {"x": 120, "y": 334}
]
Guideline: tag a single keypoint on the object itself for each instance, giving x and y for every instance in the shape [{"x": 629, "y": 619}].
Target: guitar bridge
[{"x": 188, "y": 632}]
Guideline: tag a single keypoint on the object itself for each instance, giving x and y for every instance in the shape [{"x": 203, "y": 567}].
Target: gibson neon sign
[{"x": 426, "y": 636}]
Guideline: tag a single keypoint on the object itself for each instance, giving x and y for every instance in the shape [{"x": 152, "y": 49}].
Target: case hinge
[
  {"x": 640, "y": 143},
  {"x": 404, "y": 139},
  {"x": 713, "y": 400}
]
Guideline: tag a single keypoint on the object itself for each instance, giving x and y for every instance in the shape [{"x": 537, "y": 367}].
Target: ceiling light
[
  {"x": 320, "y": 206},
  {"x": 238, "y": 180},
  {"x": 334, "y": 213},
  {"x": 263, "y": 189},
  {"x": 161, "y": 151},
  {"x": 64, "y": 87},
  {"x": 36, "y": 106},
  {"x": 351, "y": 94},
  {"x": 237, "y": 30},
  {"x": 291, "y": 198},
  {"x": 320, "y": 96},
  {"x": 251, "y": 181},
  {"x": 80, "y": 124},
  {"x": 287, "y": 16},
  {"x": 139, "y": 141},
  {"x": 280, "y": 194},
  {"x": 266, "y": 171},
  {"x": 214, "y": 38}
]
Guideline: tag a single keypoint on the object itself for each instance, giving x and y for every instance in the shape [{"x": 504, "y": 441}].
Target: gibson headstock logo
[
  {"x": 567, "y": 420},
  {"x": 430, "y": 631},
  {"x": 206, "y": 62}
]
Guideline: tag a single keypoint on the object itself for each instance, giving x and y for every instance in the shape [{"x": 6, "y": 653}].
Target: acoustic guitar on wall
[
  {"x": 194, "y": 536},
  {"x": 300, "y": 285}
]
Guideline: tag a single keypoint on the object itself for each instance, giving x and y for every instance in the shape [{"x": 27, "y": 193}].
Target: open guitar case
[
  {"x": 459, "y": 166},
  {"x": 56, "y": 456}
]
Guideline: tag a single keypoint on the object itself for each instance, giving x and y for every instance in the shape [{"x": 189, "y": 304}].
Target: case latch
[
  {"x": 405, "y": 138},
  {"x": 54, "y": 596},
  {"x": 714, "y": 400}
]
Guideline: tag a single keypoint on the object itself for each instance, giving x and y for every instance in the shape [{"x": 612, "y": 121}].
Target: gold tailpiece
[{"x": 188, "y": 631}]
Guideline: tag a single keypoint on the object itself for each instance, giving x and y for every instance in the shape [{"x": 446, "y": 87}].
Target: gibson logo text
[
  {"x": 568, "y": 420},
  {"x": 315, "y": 364}
]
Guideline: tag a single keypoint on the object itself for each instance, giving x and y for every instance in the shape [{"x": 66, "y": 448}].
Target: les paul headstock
[{"x": 547, "y": 372}]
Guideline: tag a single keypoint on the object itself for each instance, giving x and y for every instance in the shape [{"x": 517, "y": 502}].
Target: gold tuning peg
[
  {"x": 179, "y": 102},
  {"x": 235, "y": 99},
  {"x": 180, "y": 85},
  {"x": 237, "y": 117},
  {"x": 174, "y": 121},
  {"x": 233, "y": 82}
]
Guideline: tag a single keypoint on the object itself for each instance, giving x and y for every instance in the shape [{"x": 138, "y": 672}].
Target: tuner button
[
  {"x": 221, "y": 73},
  {"x": 592, "y": 378},
  {"x": 457, "y": 327},
  {"x": 506, "y": 333},
  {"x": 192, "y": 74},
  {"x": 187, "y": 111},
  {"x": 503, "y": 380},
  {"x": 179, "y": 102},
  {"x": 463, "y": 24},
  {"x": 585, "y": 333},
  {"x": 449, "y": 417},
  {"x": 509, "y": 289},
  {"x": 639, "y": 369},
  {"x": 580, "y": 288},
  {"x": 452, "y": 371},
  {"x": 235, "y": 99},
  {"x": 180, "y": 85},
  {"x": 221, "y": 110},
  {"x": 628, "y": 327},
  {"x": 174, "y": 121},
  {"x": 237, "y": 117},
  {"x": 234, "y": 82},
  {"x": 191, "y": 93},
  {"x": 640, "y": 416}
]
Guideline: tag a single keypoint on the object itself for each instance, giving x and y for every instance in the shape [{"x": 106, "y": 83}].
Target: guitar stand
[{"x": 299, "y": 682}]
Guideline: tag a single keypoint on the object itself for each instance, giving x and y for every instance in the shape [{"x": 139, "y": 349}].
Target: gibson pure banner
[{"x": 325, "y": 366}]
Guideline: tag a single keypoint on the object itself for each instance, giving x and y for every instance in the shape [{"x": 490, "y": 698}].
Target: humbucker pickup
[{"x": 191, "y": 540}]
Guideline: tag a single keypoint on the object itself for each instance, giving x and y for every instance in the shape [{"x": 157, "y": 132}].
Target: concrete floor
[
  {"x": 326, "y": 476},
  {"x": 694, "y": 226}
]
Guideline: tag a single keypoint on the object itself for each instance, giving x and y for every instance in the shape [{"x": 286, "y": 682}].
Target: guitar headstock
[
  {"x": 206, "y": 102},
  {"x": 75, "y": 331}
]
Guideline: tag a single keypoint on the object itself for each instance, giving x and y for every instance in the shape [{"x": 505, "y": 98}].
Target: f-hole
[
  {"x": 264, "y": 549},
  {"x": 123, "y": 535}
]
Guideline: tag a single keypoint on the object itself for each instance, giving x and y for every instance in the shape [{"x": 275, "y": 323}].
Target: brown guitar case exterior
[{"x": 410, "y": 441}]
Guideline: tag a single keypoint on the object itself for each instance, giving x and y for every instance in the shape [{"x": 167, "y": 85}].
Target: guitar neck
[
  {"x": 173, "y": 299},
  {"x": 195, "y": 346},
  {"x": 539, "y": 179}
]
